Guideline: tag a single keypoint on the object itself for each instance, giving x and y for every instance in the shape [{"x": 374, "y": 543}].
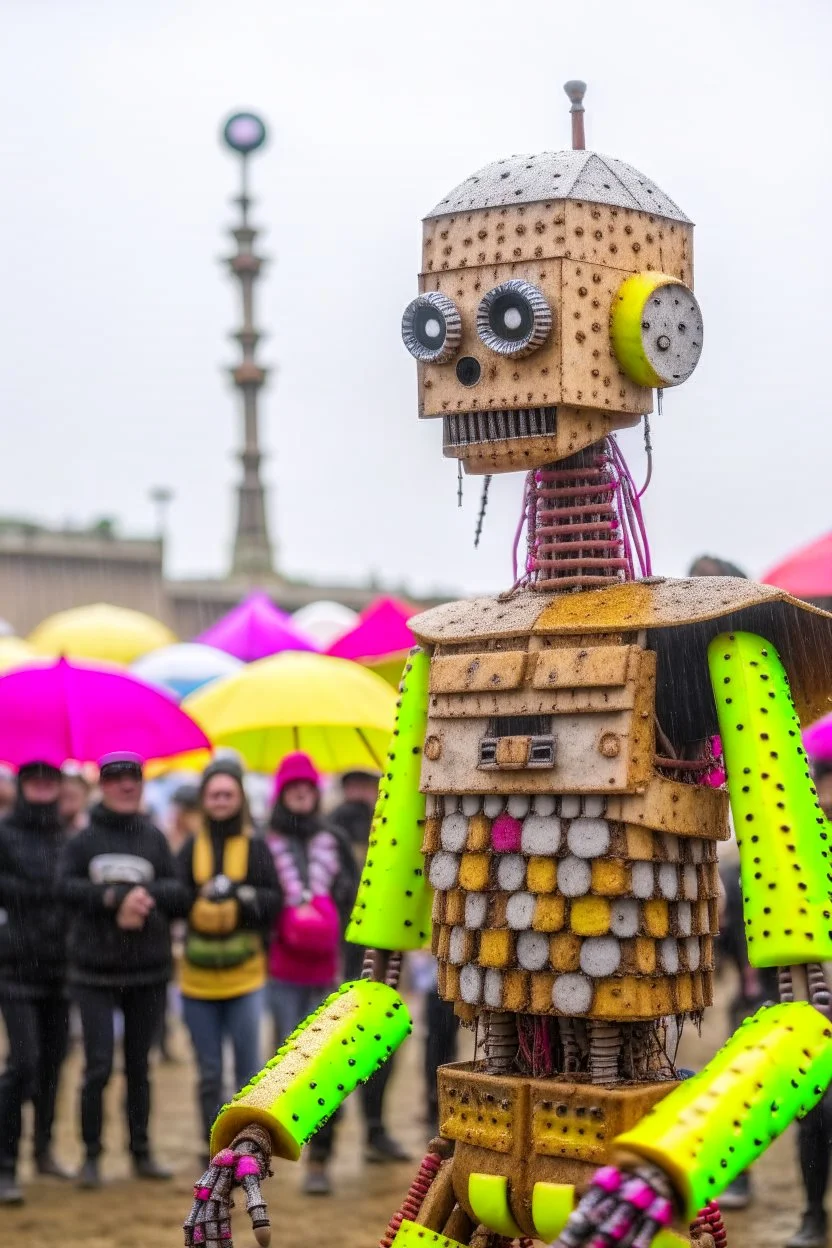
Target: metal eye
[
  {"x": 514, "y": 318},
  {"x": 432, "y": 328}
]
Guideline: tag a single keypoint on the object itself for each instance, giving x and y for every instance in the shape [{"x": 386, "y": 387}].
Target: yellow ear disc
[{"x": 656, "y": 329}]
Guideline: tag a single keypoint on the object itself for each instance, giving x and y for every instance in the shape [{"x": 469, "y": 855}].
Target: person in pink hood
[{"x": 317, "y": 875}]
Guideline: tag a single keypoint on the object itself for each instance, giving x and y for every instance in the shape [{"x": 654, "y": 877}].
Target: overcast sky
[{"x": 114, "y": 313}]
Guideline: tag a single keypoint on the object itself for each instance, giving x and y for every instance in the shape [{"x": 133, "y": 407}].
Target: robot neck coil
[{"x": 583, "y": 522}]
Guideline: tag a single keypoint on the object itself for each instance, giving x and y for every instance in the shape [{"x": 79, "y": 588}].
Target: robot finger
[{"x": 257, "y": 1211}]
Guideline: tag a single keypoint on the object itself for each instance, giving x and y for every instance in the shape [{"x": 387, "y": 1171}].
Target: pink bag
[{"x": 311, "y": 928}]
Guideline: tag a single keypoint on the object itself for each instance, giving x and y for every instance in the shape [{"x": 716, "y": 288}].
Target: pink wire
[
  {"x": 524, "y": 516},
  {"x": 629, "y": 523},
  {"x": 632, "y": 514}
]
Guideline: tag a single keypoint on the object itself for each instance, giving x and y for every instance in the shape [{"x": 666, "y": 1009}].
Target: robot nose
[{"x": 468, "y": 370}]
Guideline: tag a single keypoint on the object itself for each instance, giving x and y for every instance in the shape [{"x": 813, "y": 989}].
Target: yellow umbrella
[
  {"x": 338, "y": 712},
  {"x": 100, "y": 631},
  {"x": 389, "y": 669},
  {"x": 14, "y": 652},
  {"x": 194, "y": 761}
]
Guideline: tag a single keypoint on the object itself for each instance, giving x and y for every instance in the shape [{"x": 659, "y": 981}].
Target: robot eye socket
[
  {"x": 514, "y": 318},
  {"x": 432, "y": 328},
  {"x": 656, "y": 329}
]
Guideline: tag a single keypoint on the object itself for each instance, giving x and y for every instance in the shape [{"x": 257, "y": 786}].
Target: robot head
[{"x": 555, "y": 296}]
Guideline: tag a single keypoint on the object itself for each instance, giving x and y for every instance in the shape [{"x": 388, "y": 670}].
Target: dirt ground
[{"x": 143, "y": 1215}]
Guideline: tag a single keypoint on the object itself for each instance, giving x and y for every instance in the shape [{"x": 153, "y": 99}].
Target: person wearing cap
[
  {"x": 234, "y": 897},
  {"x": 119, "y": 880},
  {"x": 317, "y": 875},
  {"x": 33, "y": 998}
]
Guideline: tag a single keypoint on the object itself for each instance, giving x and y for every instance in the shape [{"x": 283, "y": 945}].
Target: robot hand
[
  {"x": 245, "y": 1164},
  {"x": 620, "y": 1208}
]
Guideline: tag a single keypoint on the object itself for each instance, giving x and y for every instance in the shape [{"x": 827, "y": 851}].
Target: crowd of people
[{"x": 237, "y": 928}]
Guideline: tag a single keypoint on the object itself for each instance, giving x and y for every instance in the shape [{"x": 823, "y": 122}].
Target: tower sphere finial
[
  {"x": 576, "y": 90},
  {"x": 244, "y": 132}
]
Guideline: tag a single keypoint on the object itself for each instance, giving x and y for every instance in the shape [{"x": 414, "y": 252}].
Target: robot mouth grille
[{"x": 465, "y": 428}]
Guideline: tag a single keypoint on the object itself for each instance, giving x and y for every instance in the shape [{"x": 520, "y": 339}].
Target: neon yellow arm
[
  {"x": 392, "y": 908},
  {"x": 775, "y": 1068},
  {"x": 340, "y": 1045},
  {"x": 782, "y": 834}
]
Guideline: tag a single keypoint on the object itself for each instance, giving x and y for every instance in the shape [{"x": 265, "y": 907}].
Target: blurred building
[{"x": 44, "y": 570}]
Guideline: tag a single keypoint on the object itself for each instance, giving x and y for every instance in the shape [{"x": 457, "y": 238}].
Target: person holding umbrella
[
  {"x": 119, "y": 879},
  {"x": 32, "y": 970}
]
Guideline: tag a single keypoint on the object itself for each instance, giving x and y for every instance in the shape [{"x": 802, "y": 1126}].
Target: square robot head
[{"x": 555, "y": 296}]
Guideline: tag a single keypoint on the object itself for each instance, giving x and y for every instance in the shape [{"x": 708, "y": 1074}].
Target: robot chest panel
[
  {"x": 528, "y": 717},
  {"x": 554, "y": 904}
]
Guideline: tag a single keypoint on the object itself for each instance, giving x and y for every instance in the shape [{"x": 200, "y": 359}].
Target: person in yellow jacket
[{"x": 235, "y": 896}]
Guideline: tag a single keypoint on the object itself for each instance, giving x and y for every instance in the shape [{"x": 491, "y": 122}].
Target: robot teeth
[{"x": 498, "y": 425}]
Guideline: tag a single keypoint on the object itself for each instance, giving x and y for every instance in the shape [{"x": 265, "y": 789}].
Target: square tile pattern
[{"x": 544, "y": 906}]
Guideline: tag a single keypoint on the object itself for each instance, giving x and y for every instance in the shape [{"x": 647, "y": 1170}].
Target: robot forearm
[
  {"x": 775, "y": 1068},
  {"x": 392, "y": 909},
  {"x": 340, "y": 1045},
  {"x": 782, "y": 834}
]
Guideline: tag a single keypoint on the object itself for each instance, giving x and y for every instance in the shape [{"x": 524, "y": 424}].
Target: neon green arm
[
  {"x": 774, "y": 1068},
  {"x": 340, "y": 1045},
  {"x": 782, "y": 834},
  {"x": 392, "y": 908}
]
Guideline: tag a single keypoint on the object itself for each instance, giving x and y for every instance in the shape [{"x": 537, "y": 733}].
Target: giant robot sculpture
[{"x": 552, "y": 803}]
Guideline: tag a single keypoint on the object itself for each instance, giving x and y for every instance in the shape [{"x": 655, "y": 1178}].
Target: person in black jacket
[
  {"x": 32, "y": 970},
  {"x": 119, "y": 879}
]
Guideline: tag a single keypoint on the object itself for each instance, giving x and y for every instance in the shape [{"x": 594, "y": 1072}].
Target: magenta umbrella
[
  {"x": 255, "y": 629},
  {"x": 380, "y": 640},
  {"x": 53, "y": 712},
  {"x": 381, "y": 631},
  {"x": 817, "y": 740},
  {"x": 807, "y": 572}
]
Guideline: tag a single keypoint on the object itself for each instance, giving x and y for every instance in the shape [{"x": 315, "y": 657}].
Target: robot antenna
[{"x": 576, "y": 90}]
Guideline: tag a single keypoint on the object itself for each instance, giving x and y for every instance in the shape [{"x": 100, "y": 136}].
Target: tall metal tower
[{"x": 244, "y": 133}]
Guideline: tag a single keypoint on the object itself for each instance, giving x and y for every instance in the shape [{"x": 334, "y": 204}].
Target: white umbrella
[
  {"x": 324, "y": 622},
  {"x": 182, "y": 668}
]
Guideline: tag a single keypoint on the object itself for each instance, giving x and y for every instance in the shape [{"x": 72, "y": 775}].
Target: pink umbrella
[
  {"x": 808, "y": 572},
  {"x": 817, "y": 740},
  {"x": 254, "y": 630},
  {"x": 380, "y": 633},
  {"x": 53, "y": 712}
]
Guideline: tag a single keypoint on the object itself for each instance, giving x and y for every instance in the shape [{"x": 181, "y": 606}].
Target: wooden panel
[
  {"x": 667, "y": 806},
  {"x": 505, "y": 382},
  {"x": 473, "y": 673},
  {"x": 532, "y": 702},
  {"x": 634, "y": 241},
  {"x": 582, "y": 668},
  {"x": 580, "y": 767},
  {"x": 559, "y": 228},
  {"x": 642, "y": 743},
  {"x": 513, "y": 752},
  {"x": 590, "y": 374},
  {"x": 559, "y": 372}
]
